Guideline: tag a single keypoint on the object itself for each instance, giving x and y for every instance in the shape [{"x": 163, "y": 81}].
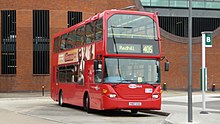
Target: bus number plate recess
[{"x": 135, "y": 103}]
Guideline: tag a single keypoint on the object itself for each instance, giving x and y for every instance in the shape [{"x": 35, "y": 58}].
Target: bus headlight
[
  {"x": 112, "y": 95},
  {"x": 155, "y": 96}
]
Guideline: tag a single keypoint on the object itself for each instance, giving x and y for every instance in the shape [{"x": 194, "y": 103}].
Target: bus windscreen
[{"x": 132, "y": 34}]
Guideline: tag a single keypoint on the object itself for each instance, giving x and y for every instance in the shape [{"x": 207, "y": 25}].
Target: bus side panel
[
  {"x": 94, "y": 89},
  {"x": 95, "y": 96},
  {"x": 81, "y": 88},
  {"x": 53, "y": 84},
  {"x": 78, "y": 97},
  {"x": 99, "y": 48},
  {"x": 54, "y": 78}
]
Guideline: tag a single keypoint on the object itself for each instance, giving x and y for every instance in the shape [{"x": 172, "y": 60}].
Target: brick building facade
[
  {"x": 174, "y": 47},
  {"x": 24, "y": 79},
  {"x": 176, "y": 50}
]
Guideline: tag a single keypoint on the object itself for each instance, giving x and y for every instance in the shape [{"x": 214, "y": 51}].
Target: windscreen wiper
[
  {"x": 121, "y": 82},
  {"x": 148, "y": 82},
  {"x": 129, "y": 80},
  {"x": 113, "y": 37},
  {"x": 128, "y": 27}
]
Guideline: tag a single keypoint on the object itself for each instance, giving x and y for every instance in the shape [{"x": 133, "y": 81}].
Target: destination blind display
[
  {"x": 148, "y": 49},
  {"x": 128, "y": 48},
  {"x": 134, "y": 48}
]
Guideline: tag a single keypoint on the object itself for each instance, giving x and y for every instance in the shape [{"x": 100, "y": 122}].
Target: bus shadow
[
  {"x": 120, "y": 113},
  {"x": 112, "y": 113},
  {"x": 73, "y": 107}
]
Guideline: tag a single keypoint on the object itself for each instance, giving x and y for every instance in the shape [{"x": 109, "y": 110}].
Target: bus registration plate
[{"x": 135, "y": 103}]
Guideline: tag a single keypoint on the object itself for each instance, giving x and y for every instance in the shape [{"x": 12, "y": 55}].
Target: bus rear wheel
[
  {"x": 87, "y": 104},
  {"x": 61, "y": 99}
]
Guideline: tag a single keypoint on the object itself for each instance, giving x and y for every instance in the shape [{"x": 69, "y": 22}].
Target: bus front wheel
[
  {"x": 87, "y": 103},
  {"x": 61, "y": 99},
  {"x": 134, "y": 111}
]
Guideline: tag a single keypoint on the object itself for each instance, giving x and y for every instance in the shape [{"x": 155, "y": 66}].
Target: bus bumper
[{"x": 119, "y": 103}]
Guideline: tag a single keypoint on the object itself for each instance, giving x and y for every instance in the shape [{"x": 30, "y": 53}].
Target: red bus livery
[{"x": 109, "y": 61}]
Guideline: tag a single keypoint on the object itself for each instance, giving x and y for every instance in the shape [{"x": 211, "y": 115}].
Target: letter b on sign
[{"x": 208, "y": 40}]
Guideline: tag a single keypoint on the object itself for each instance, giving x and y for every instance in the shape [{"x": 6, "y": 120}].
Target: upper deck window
[
  {"x": 90, "y": 35},
  {"x": 80, "y": 36},
  {"x": 133, "y": 34},
  {"x": 132, "y": 26}
]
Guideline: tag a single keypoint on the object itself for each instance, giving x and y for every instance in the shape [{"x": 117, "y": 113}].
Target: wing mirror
[{"x": 97, "y": 65}]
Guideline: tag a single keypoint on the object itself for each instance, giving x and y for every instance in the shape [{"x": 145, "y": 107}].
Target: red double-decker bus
[{"x": 109, "y": 61}]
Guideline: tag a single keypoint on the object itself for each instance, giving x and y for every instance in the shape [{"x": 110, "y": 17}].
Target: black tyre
[
  {"x": 61, "y": 99},
  {"x": 87, "y": 104},
  {"x": 134, "y": 111}
]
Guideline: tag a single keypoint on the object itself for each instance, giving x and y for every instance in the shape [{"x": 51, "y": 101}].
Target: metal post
[
  {"x": 164, "y": 86},
  {"x": 190, "y": 63},
  {"x": 203, "y": 75},
  {"x": 213, "y": 87},
  {"x": 43, "y": 90}
]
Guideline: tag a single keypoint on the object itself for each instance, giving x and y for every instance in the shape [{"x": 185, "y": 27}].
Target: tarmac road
[{"x": 32, "y": 109}]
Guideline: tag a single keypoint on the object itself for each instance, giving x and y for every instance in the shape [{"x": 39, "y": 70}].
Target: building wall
[
  {"x": 24, "y": 79},
  {"x": 176, "y": 50}
]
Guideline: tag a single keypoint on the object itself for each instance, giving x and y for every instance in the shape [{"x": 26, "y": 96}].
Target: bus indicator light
[{"x": 104, "y": 91}]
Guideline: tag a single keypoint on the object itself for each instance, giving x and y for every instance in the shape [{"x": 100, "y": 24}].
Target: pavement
[
  {"x": 10, "y": 117},
  {"x": 11, "y": 112},
  {"x": 24, "y": 94},
  {"x": 176, "y": 103}
]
